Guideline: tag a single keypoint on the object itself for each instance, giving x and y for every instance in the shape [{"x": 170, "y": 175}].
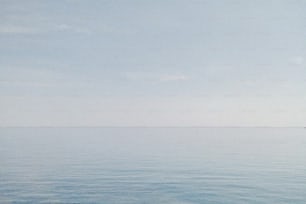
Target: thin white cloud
[
  {"x": 12, "y": 83},
  {"x": 142, "y": 76},
  {"x": 16, "y": 29},
  {"x": 72, "y": 28},
  {"x": 297, "y": 60},
  {"x": 173, "y": 78},
  {"x": 25, "y": 29}
]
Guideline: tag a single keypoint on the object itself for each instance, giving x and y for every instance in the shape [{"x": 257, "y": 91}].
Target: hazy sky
[{"x": 153, "y": 63}]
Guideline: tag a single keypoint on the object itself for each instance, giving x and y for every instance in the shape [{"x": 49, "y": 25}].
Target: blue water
[{"x": 153, "y": 165}]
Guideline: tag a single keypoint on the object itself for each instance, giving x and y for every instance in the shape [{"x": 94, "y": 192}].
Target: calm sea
[{"x": 153, "y": 165}]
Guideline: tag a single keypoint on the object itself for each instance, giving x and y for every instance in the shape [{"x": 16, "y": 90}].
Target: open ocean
[{"x": 153, "y": 165}]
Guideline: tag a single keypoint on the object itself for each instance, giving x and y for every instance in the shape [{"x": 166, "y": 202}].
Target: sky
[{"x": 153, "y": 63}]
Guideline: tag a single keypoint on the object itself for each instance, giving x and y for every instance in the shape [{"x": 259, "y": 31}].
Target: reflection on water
[{"x": 152, "y": 165}]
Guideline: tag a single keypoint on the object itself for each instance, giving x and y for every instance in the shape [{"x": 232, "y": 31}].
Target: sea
[{"x": 143, "y": 165}]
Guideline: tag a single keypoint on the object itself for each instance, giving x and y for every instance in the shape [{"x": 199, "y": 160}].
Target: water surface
[{"x": 153, "y": 165}]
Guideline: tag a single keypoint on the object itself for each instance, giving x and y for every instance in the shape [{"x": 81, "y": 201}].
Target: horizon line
[{"x": 263, "y": 126}]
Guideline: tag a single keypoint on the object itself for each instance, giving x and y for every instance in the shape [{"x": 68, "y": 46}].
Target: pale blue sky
[{"x": 153, "y": 63}]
